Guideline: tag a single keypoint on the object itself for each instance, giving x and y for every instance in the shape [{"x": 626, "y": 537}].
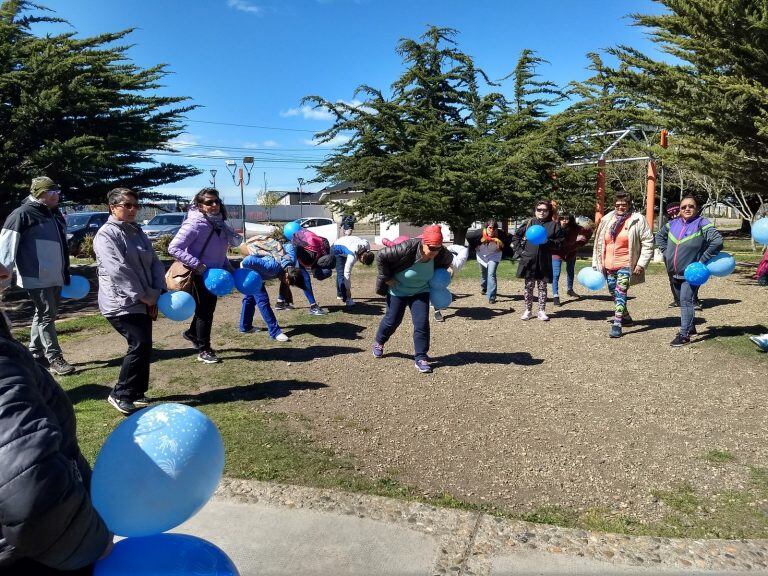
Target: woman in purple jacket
[{"x": 202, "y": 243}]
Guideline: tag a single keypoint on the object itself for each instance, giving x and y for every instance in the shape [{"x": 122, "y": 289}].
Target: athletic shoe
[
  {"x": 189, "y": 338},
  {"x": 339, "y": 298},
  {"x": 572, "y": 294},
  {"x": 378, "y": 350},
  {"x": 282, "y": 305},
  {"x": 625, "y": 321},
  {"x": 317, "y": 311},
  {"x": 142, "y": 402},
  {"x": 492, "y": 300},
  {"x": 680, "y": 341},
  {"x": 761, "y": 341},
  {"x": 251, "y": 330},
  {"x": 615, "y": 331},
  {"x": 527, "y": 315},
  {"x": 122, "y": 406},
  {"x": 698, "y": 305},
  {"x": 482, "y": 292},
  {"x": 349, "y": 303},
  {"x": 61, "y": 367},
  {"x": 439, "y": 316},
  {"x": 208, "y": 357},
  {"x": 542, "y": 316},
  {"x": 556, "y": 300},
  {"x": 282, "y": 338},
  {"x": 423, "y": 366},
  {"x": 674, "y": 304}
]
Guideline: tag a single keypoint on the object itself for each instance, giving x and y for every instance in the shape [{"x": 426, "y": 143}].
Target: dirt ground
[{"x": 526, "y": 414}]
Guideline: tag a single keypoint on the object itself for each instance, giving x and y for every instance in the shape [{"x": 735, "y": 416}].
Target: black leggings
[{"x": 202, "y": 322}]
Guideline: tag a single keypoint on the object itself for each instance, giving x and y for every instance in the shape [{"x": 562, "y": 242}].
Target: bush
[
  {"x": 162, "y": 243},
  {"x": 85, "y": 250}
]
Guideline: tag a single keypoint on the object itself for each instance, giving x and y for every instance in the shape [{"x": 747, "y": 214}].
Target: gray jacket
[{"x": 129, "y": 268}]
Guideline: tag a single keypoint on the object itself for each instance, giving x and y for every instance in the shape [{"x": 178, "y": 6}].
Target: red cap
[{"x": 432, "y": 235}]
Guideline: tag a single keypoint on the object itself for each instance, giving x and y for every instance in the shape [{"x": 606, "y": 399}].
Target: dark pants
[
  {"x": 396, "y": 305},
  {"x": 133, "y": 381},
  {"x": 202, "y": 321},
  {"x": 687, "y": 296},
  {"x": 250, "y": 302}
]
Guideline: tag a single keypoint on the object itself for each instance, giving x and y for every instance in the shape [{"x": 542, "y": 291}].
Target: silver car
[{"x": 164, "y": 225}]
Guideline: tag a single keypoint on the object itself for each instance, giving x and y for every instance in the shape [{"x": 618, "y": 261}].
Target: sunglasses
[
  {"x": 542, "y": 209},
  {"x": 211, "y": 202},
  {"x": 128, "y": 205},
  {"x": 688, "y": 207}
]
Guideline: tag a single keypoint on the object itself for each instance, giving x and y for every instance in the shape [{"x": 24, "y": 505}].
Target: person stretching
[{"x": 348, "y": 250}]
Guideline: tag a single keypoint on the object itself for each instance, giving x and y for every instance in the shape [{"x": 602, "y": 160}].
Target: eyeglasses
[
  {"x": 128, "y": 205},
  {"x": 688, "y": 207},
  {"x": 211, "y": 202},
  {"x": 542, "y": 209},
  {"x": 433, "y": 248}
]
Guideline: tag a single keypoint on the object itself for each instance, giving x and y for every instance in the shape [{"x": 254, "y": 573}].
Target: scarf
[
  {"x": 216, "y": 220},
  {"x": 496, "y": 239},
  {"x": 618, "y": 223}
]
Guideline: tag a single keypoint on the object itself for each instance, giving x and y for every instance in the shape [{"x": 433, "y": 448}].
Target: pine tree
[{"x": 79, "y": 111}]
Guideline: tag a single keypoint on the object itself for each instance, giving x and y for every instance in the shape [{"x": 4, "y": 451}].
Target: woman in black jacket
[
  {"x": 535, "y": 265},
  {"x": 47, "y": 522}
]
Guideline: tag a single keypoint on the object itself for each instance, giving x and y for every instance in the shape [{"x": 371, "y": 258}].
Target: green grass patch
[
  {"x": 73, "y": 328},
  {"x": 735, "y": 340},
  {"x": 718, "y": 457}
]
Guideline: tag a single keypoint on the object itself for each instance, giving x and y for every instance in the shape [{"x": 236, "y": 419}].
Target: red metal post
[{"x": 650, "y": 194}]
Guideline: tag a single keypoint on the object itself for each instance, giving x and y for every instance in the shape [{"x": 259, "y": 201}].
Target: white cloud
[
  {"x": 217, "y": 153},
  {"x": 308, "y": 113},
  {"x": 245, "y": 6},
  {"x": 337, "y": 140},
  {"x": 265, "y": 144},
  {"x": 184, "y": 141},
  {"x": 270, "y": 144}
]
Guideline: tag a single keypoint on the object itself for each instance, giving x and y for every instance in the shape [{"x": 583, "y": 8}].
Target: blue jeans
[
  {"x": 687, "y": 296},
  {"x": 488, "y": 279},
  {"x": 341, "y": 288},
  {"x": 261, "y": 299},
  {"x": 396, "y": 305},
  {"x": 570, "y": 269}
]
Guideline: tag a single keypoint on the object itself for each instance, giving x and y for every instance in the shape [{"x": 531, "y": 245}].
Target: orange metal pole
[
  {"x": 600, "y": 200},
  {"x": 650, "y": 194}
]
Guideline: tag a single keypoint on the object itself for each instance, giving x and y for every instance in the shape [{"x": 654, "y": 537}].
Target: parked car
[
  {"x": 324, "y": 227},
  {"x": 166, "y": 224},
  {"x": 83, "y": 224}
]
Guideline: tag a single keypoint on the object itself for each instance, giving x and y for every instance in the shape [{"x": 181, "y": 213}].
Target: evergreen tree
[{"x": 78, "y": 111}]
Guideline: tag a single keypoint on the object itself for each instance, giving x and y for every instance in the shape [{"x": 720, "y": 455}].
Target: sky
[{"x": 248, "y": 63}]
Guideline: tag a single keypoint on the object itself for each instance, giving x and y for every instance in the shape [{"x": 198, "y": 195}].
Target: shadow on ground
[
  {"x": 337, "y": 330},
  {"x": 467, "y": 358},
  {"x": 250, "y": 392},
  {"x": 480, "y": 313}
]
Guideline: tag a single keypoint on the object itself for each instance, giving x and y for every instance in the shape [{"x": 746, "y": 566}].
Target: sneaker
[
  {"x": 761, "y": 341},
  {"x": 625, "y": 321},
  {"x": 122, "y": 406},
  {"x": 61, "y": 367},
  {"x": 208, "y": 357},
  {"x": 142, "y": 402},
  {"x": 439, "y": 316},
  {"x": 680, "y": 341},
  {"x": 423, "y": 366},
  {"x": 556, "y": 300},
  {"x": 282, "y": 305},
  {"x": 282, "y": 338},
  {"x": 252, "y": 330},
  {"x": 698, "y": 305},
  {"x": 317, "y": 311},
  {"x": 572, "y": 294},
  {"x": 349, "y": 303},
  {"x": 42, "y": 360},
  {"x": 492, "y": 300},
  {"x": 542, "y": 316},
  {"x": 378, "y": 350},
  {"x": 615, "y": 331},
  {"x": 482, "y": 291},
  {"x": 674, "y": 304},
  {"x": 527, "y": 315},
  {"x": 339, "y": 298},
  {"x": 189, "y": 338}
]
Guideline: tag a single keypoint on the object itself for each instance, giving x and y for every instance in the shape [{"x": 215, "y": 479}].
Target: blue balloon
[
  {"x": 440, "y": 297},
  {"x": 721, "y": 264},
  {"x": 696, "y": 273},
  {"x": 77, "y": 288},
  {"x": 165, "y": 554},
  {"x": 157, "y": 469},
  {"x": 218, "y": 281},
  {"x": 290, "y": 228},
  {"x": 536, "y": 234},
  {"x": 247, "y": 281},
  {"x": 591, "y": 279},
  {"x": 440, "y": 279},
  {"x": 760, "y": 231},
  {"x": 178, "y": 305}
]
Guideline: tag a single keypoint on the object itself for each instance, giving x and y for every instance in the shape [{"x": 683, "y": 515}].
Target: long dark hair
[
  {"x": 571, "y": 218},
  {"x": 198, "y": 199},
  {"x": 547, "y": 203}
]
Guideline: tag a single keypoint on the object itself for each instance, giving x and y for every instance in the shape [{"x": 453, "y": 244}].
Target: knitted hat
[{"x": 41, "y": 185}]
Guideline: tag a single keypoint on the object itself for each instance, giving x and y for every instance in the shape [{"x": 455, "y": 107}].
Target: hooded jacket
[
  {"x": 34, "y": 241},
  {"x": 45, "y": 508},
  {"x": 397, "y": 258},
  {"x": 129, "y": 268},
  {"x": 683, "y": 243},
  {"x": 187, "y": 245}
]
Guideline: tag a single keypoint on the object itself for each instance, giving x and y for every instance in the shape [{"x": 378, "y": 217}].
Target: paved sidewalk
[{"x": 271, "y": 529}]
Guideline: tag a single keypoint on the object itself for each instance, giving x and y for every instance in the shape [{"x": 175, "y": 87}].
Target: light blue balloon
[
  {"x": 760, "y": 231},
  {"x": 248, "y": 281},
  {"x": 157, "y": 469},
  {"x": 696, "y": 274},
  {"x": 178, "y": 305},
  {"x": 218, "y": 281},
  {"x": 591, "y": 279},
  {"x": 77, "y": 288},
  {"x": 291, "y": 228},
  {"x": 440, "y": 279},
  {"x": 440, "y": 297},
  {"x": 721, "y": 264},
  {"x": 536, "y": 234},
  {"x": 165, "y": 555}
]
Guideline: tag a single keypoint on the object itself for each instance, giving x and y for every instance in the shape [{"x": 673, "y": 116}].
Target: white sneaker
[
  {"x": 526, "y": 315},
  {"x": 542, "y": 316},
  {"x": 339, "y": 298},
  {"x": 282, "y": 338},
  {"x": 350, "y": 302}
]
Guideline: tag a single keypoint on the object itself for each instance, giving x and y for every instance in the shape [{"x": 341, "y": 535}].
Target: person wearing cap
[
  {"x": 404, "y": 272},
  {"x": 34, "y": 241}
]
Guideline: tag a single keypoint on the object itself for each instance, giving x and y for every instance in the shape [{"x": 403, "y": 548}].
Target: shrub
[
  {"x": 162, "y": 243},
  {"x": 86, "y": 248}
]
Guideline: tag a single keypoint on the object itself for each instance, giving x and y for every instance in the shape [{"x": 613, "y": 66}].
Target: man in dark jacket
[
  {"x": 47, "y": 522},
  {"x": 34, "y": 240}
]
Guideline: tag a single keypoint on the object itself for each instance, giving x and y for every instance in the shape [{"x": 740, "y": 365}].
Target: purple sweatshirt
[{"x": 188, "y": 243}]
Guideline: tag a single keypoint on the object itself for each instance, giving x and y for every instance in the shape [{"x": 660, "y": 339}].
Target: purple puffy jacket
[{"x": 187, "y": 245}]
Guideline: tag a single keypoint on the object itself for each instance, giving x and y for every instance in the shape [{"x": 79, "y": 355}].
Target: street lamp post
[
  {"x": 301, "y": 197},
  {"x": 239, "y": 180},
  {"x": 213, "y": 176}
]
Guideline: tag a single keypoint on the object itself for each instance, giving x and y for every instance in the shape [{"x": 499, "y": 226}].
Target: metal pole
[{"x": 242, "y": 199}]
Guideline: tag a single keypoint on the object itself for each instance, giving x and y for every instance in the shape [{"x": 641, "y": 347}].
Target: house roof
[{"x": 306, "y": 197}]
